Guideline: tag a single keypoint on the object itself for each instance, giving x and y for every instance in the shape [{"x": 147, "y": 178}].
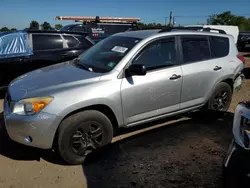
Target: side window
[
  {"x": 158, "y": 54},
  {"x": 219, "y": 46},
  {"x": 84, "y": 43},
  {"x": 46, "y": 42},
  {"x": 79, "y": 28},
  {"x": 195, "y": 48},
  {"x": 71, "y": 41}
]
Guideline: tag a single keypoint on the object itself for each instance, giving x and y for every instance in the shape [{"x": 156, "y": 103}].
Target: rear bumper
[{"x": 238, "y": 81}]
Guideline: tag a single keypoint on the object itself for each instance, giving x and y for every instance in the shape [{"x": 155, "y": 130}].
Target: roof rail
[
  {"x": 208, "y": 29},
  {"x": 98, "y": 19}
]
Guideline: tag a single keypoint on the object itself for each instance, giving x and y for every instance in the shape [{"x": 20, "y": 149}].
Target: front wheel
[{"x": 82, "y": 133}]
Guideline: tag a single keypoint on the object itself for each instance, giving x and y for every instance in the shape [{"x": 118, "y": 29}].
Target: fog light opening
[{"x": 28, "y": 139}]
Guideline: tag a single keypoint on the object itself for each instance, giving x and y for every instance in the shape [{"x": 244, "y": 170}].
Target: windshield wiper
[{"x": 76, "y": 62}]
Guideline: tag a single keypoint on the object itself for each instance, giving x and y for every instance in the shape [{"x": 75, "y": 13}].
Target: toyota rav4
[{"x": 124, "y": 80}]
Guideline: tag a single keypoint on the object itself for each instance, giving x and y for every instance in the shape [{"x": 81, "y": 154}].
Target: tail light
[
  {"x": 95, "y": 35},
  {"x": 240, "y": 57}
]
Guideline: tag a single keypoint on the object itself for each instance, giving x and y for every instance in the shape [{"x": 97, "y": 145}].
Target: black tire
[
  {"x": 207, "y": 111},
  {"x": 77, "y": 128},
  {"x": 220, "y": 88}
]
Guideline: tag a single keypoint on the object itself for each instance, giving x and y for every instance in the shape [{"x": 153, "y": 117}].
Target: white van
[{"x": 229, "y": 29}]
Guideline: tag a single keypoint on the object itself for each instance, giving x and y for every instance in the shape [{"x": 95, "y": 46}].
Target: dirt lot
[{"x": 184, "y": 153}]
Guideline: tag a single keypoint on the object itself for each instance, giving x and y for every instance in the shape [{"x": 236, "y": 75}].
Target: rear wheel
[
  {"x": 221, "y": 98},
  {"x": 218, "y": 103},
  {"x": 81, "y": 134}
]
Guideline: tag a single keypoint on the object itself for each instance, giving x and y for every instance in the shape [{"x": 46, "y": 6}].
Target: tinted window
[
  {"x": 84, "y": 43},
  {"x": 79, "y": 28},
  {"x": 158, "y": 54},
  {"x": 71, "y": 41},
  {"x": 66, "y": 28},
  {"x": 115, "y": 28},
  {"x": 195, "y": 48},
  {"x": 47, "y": 42},
  {"x": 219, "y": 46}
]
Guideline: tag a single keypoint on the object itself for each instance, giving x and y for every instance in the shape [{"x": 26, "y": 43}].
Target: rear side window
[
  {"x": 71, "y": 41},
  {"x": 195, "y": 48},
  {"x": 47, "y": 42},
  {"x": 79, "y": 28},
  {"x": 115, "y": 28},
  {"x": 219, "y": 46},
  {"x": 84, "y": 43}
]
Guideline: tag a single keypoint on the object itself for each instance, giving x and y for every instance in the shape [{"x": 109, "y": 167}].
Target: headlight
[{"x": 31, "y": 106}]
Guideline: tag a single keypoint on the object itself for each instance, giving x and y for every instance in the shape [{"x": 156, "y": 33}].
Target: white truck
[{"x": 229, "y": 29}]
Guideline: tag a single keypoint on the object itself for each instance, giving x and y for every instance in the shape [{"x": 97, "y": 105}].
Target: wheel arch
[
  {"x": 106, "y": 110},
  {"x": 228, "y": 80}
]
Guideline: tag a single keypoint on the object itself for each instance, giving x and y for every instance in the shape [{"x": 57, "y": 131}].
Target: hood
[{"x": 57, "y": 75}]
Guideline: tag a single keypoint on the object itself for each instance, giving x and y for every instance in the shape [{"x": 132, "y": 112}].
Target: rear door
[
  {"x": 201, "y": 68},
  {"x": 48, "y": 49}
]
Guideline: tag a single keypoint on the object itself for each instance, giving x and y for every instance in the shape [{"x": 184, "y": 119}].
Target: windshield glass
[{"x": 106, "y": 54}]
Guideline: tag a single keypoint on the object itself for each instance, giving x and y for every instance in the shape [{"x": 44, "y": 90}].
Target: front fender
[{"x": 113, "y": 105}]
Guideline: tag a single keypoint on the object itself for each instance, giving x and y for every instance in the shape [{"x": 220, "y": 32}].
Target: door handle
[
  {"x": 217, "y": 68},
  {"x": 174, "y": 77}
]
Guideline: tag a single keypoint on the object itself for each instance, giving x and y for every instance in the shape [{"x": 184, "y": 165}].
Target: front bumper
[{"x": 36, "y": 130}]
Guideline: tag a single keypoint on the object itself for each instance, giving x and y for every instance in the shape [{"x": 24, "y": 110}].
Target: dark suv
[
  {"x": 24, "y": 51},
  {"x": 244, "y": 40},
  {"x": 99, "y": 31}
]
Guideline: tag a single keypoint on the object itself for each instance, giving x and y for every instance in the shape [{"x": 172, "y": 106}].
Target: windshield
[{"x": 106, "y": 54}]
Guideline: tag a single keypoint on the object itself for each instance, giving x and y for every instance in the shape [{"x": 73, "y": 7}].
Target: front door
[{"x": 159, "y": 91}]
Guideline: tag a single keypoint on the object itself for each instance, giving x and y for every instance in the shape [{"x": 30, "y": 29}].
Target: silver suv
[{"x": 125, "y": 80}]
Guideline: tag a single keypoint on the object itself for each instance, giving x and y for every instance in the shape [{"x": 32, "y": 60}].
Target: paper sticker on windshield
[{"x": 119, "y": 49}]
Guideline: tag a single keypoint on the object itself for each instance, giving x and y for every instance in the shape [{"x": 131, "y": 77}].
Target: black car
[
  {"x": 99, "y": 31},
  {"x": 244, "y": 40},
  {"x": 24, "y": 51}
]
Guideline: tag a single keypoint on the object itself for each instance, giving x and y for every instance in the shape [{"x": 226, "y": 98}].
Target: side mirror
[{"x": 137, "y": 69}]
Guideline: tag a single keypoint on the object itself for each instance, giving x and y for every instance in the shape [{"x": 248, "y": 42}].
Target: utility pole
[
  {"x": 166, "y": 20},
  {"x": 171, "y": 18}
]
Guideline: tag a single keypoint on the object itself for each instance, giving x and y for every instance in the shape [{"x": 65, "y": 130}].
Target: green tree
[
  {"x": 58, "y": 26},
  {"x": 34, "y": 25},
  {"x": 227, "y": 18},
  {"x": 46, "y": 26},
  {"x": 13, "y": 29},
  {"x": 4, "y": 29}
]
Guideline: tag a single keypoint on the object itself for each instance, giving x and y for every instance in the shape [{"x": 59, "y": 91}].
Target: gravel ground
[{"x": 180, "y": 153}]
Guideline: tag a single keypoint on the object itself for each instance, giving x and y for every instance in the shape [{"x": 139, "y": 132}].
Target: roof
[
  {"x": 9, "y": 32},
  {"x": 141, "y": 34},
  {"x": 43, "y": 31},
  {"x": 55, "y": 31}
]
